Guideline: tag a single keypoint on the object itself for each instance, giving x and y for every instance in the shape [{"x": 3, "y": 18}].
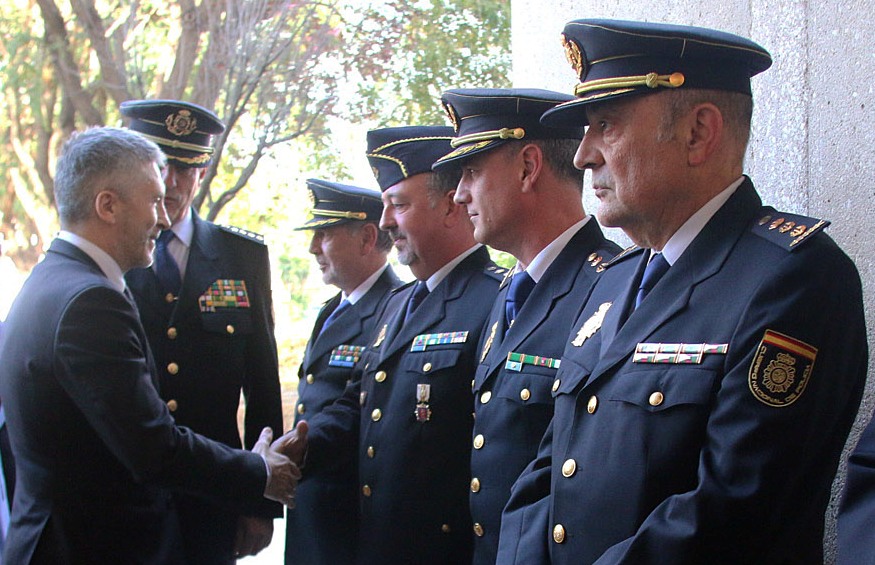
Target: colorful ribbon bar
[
  {"x": 345, "y": 355},
  {"x": 224, "y": 293},
  {"x": 421, "y": 342},
  {"x": 515, "y": 361}
]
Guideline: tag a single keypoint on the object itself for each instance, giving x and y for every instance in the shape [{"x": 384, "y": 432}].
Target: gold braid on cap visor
[
  {"x": 338, "y": 214},
  {"x": 650, "y": 80},
  {"x": 503, "y": 133}
]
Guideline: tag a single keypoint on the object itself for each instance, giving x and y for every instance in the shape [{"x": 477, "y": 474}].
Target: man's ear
[
  {"x": 369, "y": 234},
  {"x": 452, "y": 212},
  {"x": 533, "y": 164},
  {"x": 705, "y": 134},
  {"x": 106, "y": 206}
]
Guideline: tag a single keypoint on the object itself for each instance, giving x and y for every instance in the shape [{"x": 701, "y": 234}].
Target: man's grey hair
[
  {"x": 95, "y": 158},
  {"x": 736, "y": 108},
  {"x": 384, "y": 240}
]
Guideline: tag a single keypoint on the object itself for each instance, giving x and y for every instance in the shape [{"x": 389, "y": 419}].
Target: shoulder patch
[
  {"x": 246, "y": 234},
  {"x": 780, "y": 369},
  {"x": 496, "y": 272},
  {"x": 786, "y": 230},
  {"x": 622, "y": 255}
]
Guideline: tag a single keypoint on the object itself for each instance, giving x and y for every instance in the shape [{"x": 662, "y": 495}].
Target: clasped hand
[{"x": 284, "y": 458}]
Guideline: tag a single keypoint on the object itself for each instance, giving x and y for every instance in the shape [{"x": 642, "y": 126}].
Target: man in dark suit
[
  {"x": 410, "y": 415},
  {"x": 351, "y": 252},
  {"x": 710, "y": 381},
  {"x": 523, "y": 195},
  {"x": 208, "y": 350},
  {"x": 94, "y": 443}
]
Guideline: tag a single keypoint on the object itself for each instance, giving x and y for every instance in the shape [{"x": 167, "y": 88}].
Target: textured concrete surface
[{"x": 812, "y": 147}]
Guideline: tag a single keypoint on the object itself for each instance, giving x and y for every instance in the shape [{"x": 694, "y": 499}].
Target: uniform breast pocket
[
  {"x": 530, "y": 386},
  {"x": 665, "y": 388},
  {"x": 233, "y": 323},
  {"x": 427, "y": 362}
]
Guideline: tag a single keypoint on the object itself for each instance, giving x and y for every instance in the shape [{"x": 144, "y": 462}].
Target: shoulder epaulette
[
  {"x": 786, "y": 230},
  {"x": 496, "y": 272},
  {"x": 621, "y": 256},
  {"x": 250, "y": 235}
]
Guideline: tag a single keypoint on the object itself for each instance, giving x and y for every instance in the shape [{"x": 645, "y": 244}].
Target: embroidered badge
[
  {"x": 515, "y": 361},
  {"x": 381, "y": 336},
  {"x": 224, "y": 293},
  {"x": 677, "y": 353},
  {"x": 780, "y": 369},
  {"x": 345, "y": 355},
  {"x": 488, "y": 343},
  {"x": 591, "y": 326},
  {"x": 421, "y": 342},
  {"x": 181, "y": 123}
]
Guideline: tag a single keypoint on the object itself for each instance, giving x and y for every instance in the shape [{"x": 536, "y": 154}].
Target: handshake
[{"x": 284, "y": 458}]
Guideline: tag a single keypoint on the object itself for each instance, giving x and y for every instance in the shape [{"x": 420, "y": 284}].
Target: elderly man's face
[
  {"x": 636, "y": 163},
  {"x": 181, "y": 183}
]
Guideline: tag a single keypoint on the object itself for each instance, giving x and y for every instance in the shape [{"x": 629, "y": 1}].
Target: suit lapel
[
  {"x": 313, "y": 350},
  {"x": 702, "y": 259}
]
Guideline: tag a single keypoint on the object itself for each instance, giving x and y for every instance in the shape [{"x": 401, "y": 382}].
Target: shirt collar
[
  {"x": 184, "y": 229},
  {"x": 363, "y": 288},
  {"x": 682, "y": 238},
  {"x": 441, "y": 273},
  {"x": 103, "y": 259},
  {"x": 546, "y": 256}
]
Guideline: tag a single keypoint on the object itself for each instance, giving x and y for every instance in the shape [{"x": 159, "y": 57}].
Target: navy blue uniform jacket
[
  {"x": 414, "y": 472},
  {"x": 856, "y": 520},
  {"x": 723, "y": 457},
  {"x": 93, "y": 441},
  {"x": 323, "y": 526},
  {"x": 206, "y": 358},
  {"x": 514, "y": 407}
]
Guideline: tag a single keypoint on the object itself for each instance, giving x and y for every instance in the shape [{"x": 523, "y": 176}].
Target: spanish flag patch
[{"x": 780, "y": 369}]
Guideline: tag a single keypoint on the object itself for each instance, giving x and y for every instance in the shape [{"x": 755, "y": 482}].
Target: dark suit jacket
[
  {"x": 856, "y": 520},
  {"x": 216, "y": 355},
  {"x": 727, "y": 457},
  {"x": 323, "y": 526},
  {"x": 410, "y": 419},
  {"x": 92, "y": 439},
  {"x": 514, "y": 407}
]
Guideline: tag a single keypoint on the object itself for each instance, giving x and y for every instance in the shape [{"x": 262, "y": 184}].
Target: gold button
[
  {"x": 380, "y": 376},
  {"x": 172, "y": 368},
  {"x": 478, "y": 530},
  {"x": 366, "y": 490},
  {"x": 592, "y": 404},
  {"x": 445, "y": 528},
  {"x": 558, "y": 533},
  {"x": 569, "y": 467},
  {"x": 486, "y": 397},
  {"x": 656, "y": 398},
  {"x": 229, "y": 328},
  {"x": 310, "y": 378},
  {"x": 172, "y": 405},
  {"x": 525, "y": 394},
  {"x": 555, "y": 385},
  {"x": 426, "y": 368},
  {"x": 172, "y": 333},
  {"x": 376, "y": 415},
  {"x": 370, "y": 452},
  {"x": 478, "y": 441},
  {"x": 475, "y": 485},
  {"x": 168, "y": 298},
  {"x": 301, "y": 409}
]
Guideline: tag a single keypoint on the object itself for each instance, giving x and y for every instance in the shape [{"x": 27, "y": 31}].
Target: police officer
[
  {"x": 410, "y": 420},
  {"x": 351, "y": 252},
  {"x": 523, "y": 195},
  {"x": 207, "y": 309},
  {"x": 710, "y": 381}
]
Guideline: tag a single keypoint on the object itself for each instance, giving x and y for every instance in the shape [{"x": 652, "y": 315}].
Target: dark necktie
[
  {"x": 652, "y": 273},
  {"x": 420, "y": 291},
  {"x": 521, "y": 286},
  {"x": 165, "y": 265},
  {"x": 341, "y": 308}
]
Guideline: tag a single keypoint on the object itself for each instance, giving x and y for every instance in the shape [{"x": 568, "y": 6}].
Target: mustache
[{"x": 395, "y": 233}]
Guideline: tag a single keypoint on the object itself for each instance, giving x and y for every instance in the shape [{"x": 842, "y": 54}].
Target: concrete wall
[{"x": 812, "y": 149}]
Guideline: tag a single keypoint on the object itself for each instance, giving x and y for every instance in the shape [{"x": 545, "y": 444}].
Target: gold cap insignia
[
  {"x": 452, "y": 115},
  {"x": 181, "y": 123},
  {"x": 781, "y": 369},
  {"x": 572, "y": 53}
]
